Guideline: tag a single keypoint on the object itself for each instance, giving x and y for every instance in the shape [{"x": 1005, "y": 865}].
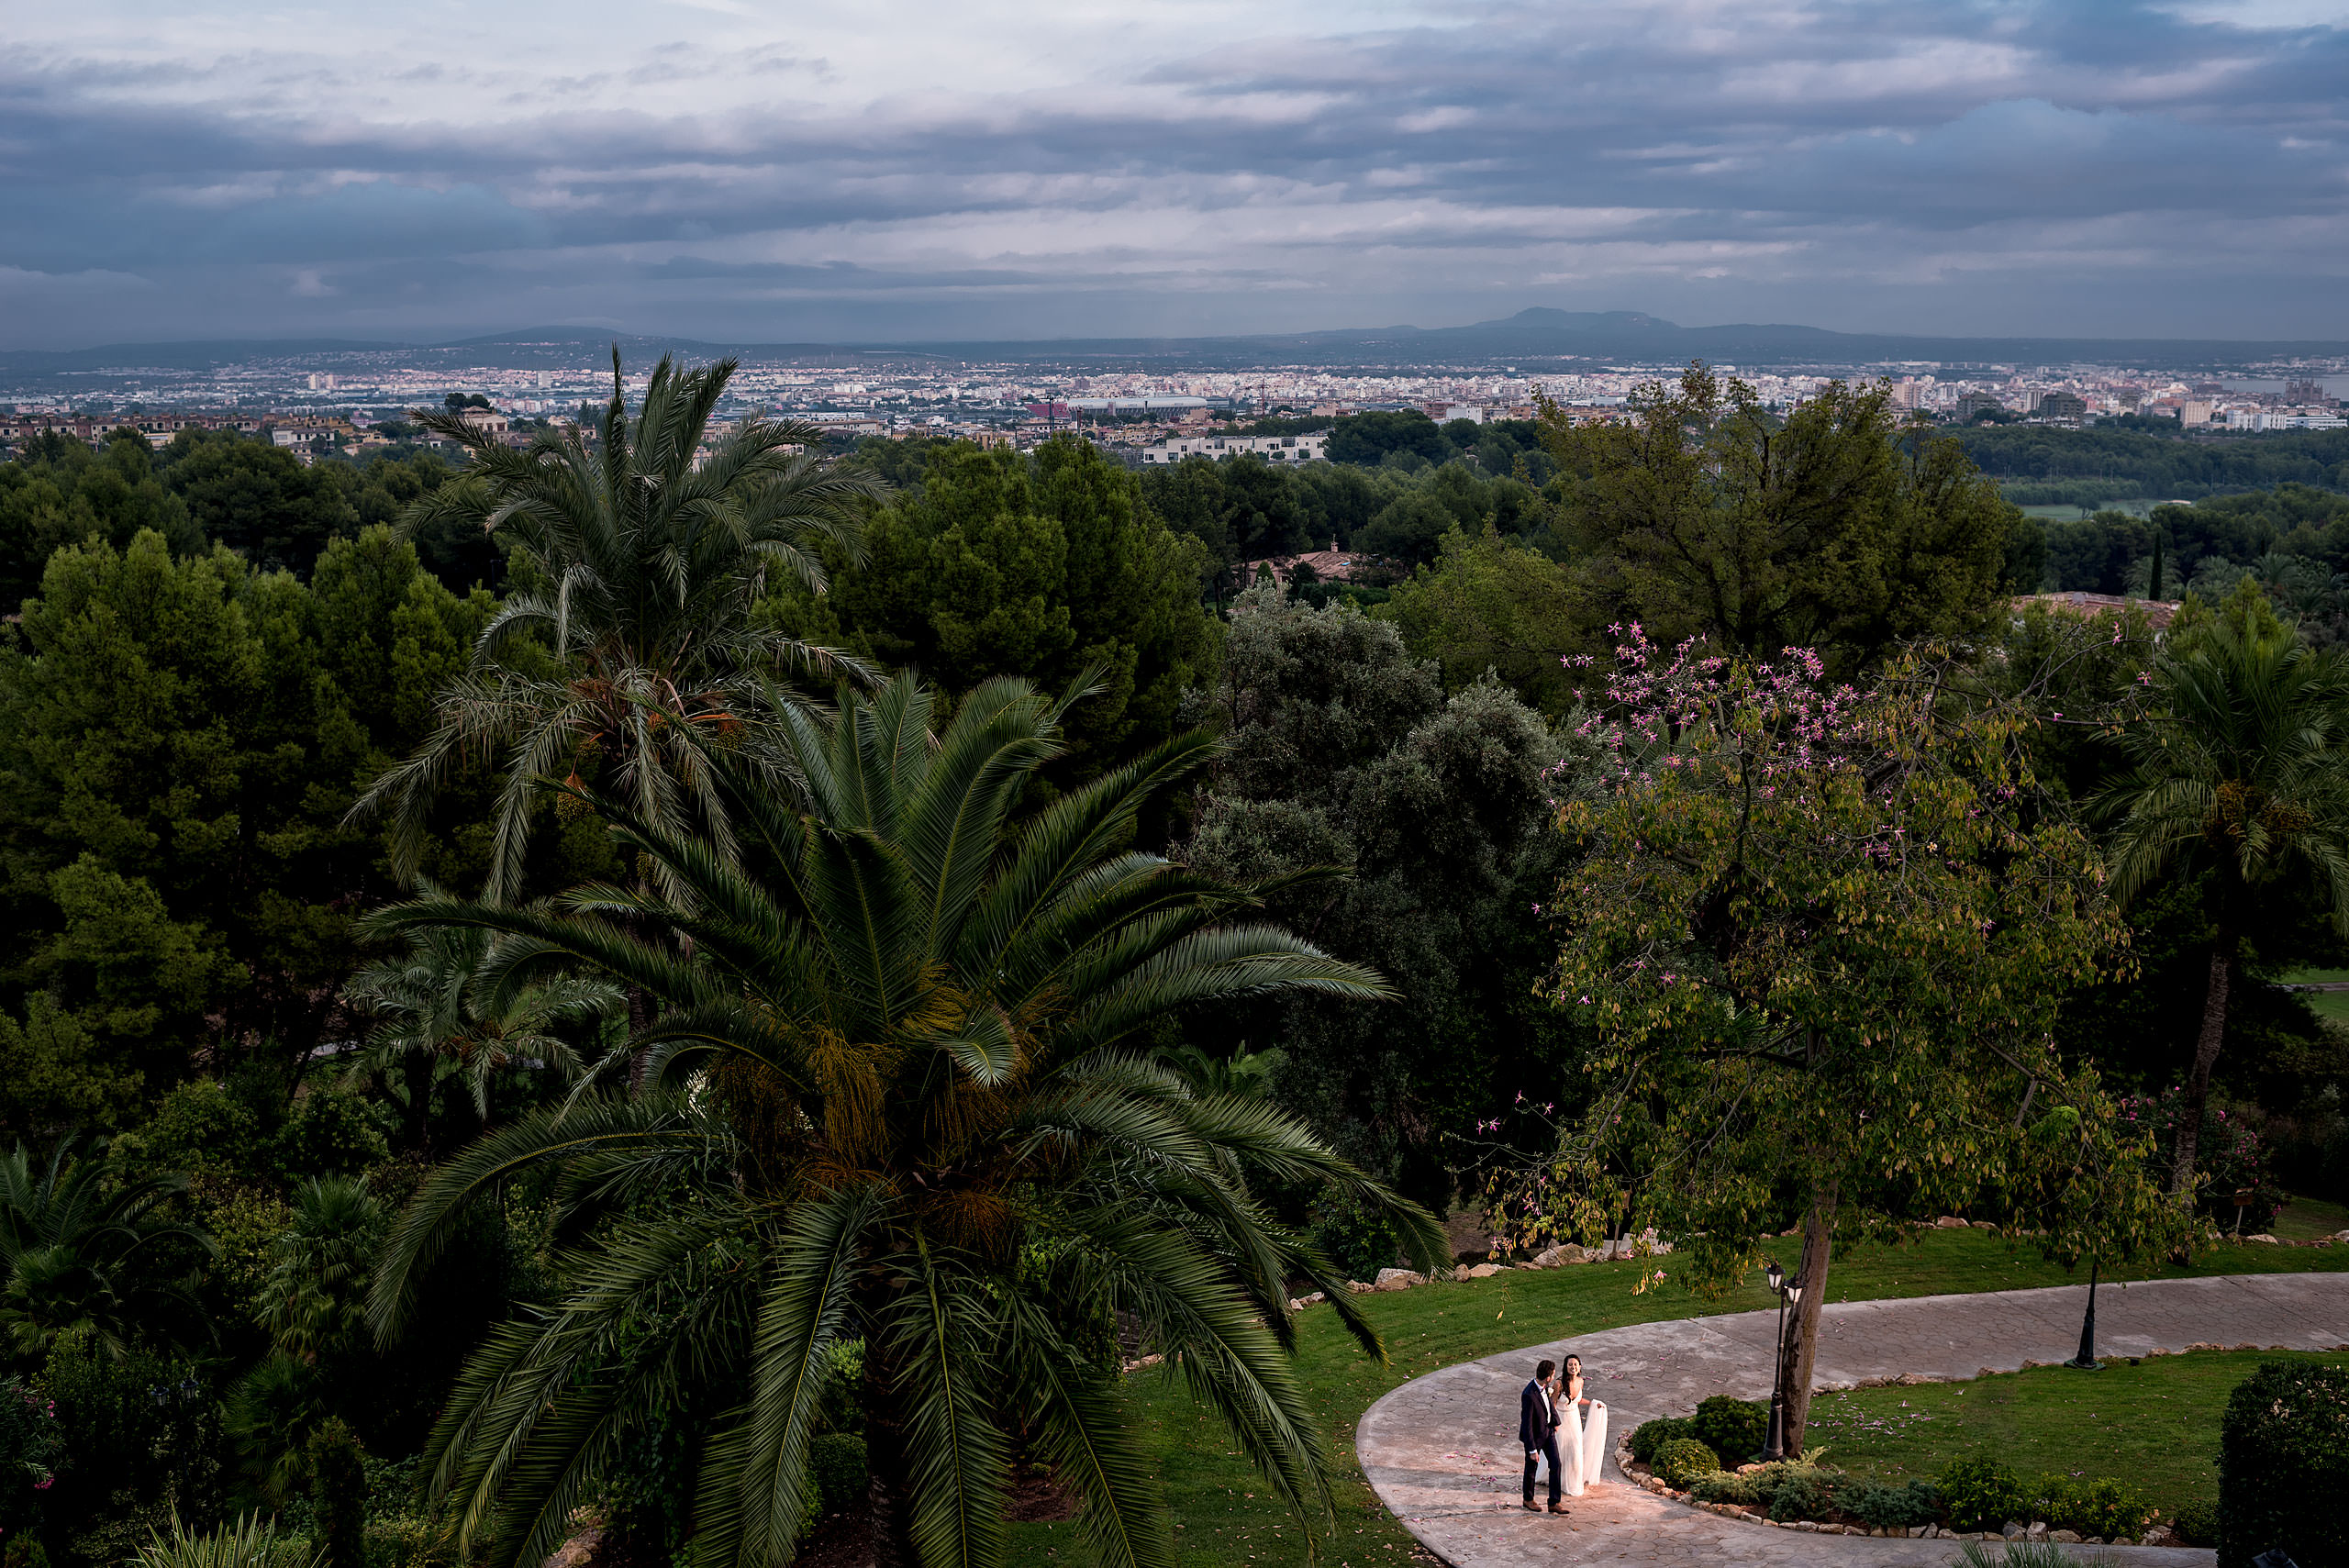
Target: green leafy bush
[
  {"x": 1981, "y": 1493},
  {"x": 1648, "y": 1441},
  {"x": 24, "y": 1550},
  {"x": 1805, "y": 1494},
  {"x": 411, "y": 1540},
  {"x": 30, "y": 1445},
  {"x": 1683, "y": 1460},
  {"x": 841, "y": 1409},
  {"x": 2197, "y": 1524},
  {"x": 1357, "y": 1237},
  {"x": 2104, "y": 1508},
  {"x": 1732, "y": 1427},
  {"x": 2284, "y": 1445},
  {"x": 330, "y": 1135},
  {"x": 1726, "y": 1486},
  {"x": 338, "y": 1477},
  {"x": 836, "y": 1468},
  {"x": 1879, "y": 1504}
]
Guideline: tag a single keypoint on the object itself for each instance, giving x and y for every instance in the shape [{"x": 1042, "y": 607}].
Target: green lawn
[
  {"x": 2333, "y": 1005},
  {"x": 1225, "y": 1516},
  {"x": 2308, "y": 1218},
  {"x": 2154, "y": 1425},
  {"x": 2135, "y": 506}
]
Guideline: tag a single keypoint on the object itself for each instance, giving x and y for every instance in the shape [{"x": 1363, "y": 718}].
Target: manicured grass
[
  {"x": 2307, "y": 1219},
  {"x": 1226, "y": 1517},
  {"x": 2332, "y": 1005},
  {"x": 2152, "y": 1425}
]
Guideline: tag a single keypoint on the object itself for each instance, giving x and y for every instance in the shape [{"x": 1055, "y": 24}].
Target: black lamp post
[
  {"x": 1774, "y": 1446},
  {"x": 2085, "y": 1359}
]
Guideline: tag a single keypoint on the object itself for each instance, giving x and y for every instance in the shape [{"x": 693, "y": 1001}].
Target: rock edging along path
[{"x": 1441, "y": 1450}]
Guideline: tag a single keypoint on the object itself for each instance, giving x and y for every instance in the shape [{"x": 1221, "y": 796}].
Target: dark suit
[{"x": 1537, "y": 1434}]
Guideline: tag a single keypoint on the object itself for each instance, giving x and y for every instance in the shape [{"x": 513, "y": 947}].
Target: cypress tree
[{"x": 338, "y": 1494}]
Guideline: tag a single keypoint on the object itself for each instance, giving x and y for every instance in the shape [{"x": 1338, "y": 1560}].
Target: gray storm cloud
[{"x": 917, "y": 170}]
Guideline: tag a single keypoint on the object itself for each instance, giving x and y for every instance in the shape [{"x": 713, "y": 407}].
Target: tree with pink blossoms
[{"x": 1820, "y": 933}]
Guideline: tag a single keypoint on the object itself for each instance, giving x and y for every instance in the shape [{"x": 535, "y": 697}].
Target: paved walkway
[{"x": 1441, "y": 1451}]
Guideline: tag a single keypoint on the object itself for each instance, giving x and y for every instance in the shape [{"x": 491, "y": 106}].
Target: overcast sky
[{"x": 892, "y": 169}]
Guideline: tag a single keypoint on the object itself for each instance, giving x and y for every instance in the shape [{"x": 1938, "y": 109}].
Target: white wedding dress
[{"x": 1581, "y": 1446}]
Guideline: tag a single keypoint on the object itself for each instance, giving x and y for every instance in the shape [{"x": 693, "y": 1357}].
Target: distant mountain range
[{"x": 1539, "y": 338}]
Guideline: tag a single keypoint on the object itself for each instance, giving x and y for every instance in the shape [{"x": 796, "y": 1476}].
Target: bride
[{"x": 1582, "y": 1433}]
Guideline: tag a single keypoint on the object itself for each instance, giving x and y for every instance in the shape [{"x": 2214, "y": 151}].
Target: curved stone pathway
[{"x": 1441, "y": 1451}]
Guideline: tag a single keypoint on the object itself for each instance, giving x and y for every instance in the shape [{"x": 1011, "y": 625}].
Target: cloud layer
[{"x": 911, "y": 167}]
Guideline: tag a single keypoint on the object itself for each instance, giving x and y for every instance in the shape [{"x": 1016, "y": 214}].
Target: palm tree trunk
[
  {"x": 2206, "y": 1056},
  {"x": 888, "y": 1464},
  {"x": 1800, "y": 1351}
]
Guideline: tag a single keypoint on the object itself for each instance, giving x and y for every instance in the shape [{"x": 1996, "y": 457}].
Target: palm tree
[
  {"x": 2243, "y": 774},
  {"x": 312, "y": 1303},
  {"x": 644, "y": 552},
  {"x": 438, "y": 1009},
  {"x": 894, "y": 1102},
  {"x": 73, "y": 1250}
]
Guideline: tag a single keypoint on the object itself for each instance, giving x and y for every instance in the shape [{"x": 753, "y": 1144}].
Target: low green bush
[
  {"x": 1805, "y": 1493},
  {"x": 1981, "y": 1493},
  {"x": 836, "y": 1466},
  {"x": 2197, "y": 1524},
  {"x": 1879, "y": 1504},
  {"x": 2103, "y": 1509},
  {"x": 411, "y": 1540},
  {"x": 1726, "y": 1486},
  {"x": 1683, "y": 1460},
  {"x": 1651, "y": 1436},
  {"x": 2283, "y": 1449}
]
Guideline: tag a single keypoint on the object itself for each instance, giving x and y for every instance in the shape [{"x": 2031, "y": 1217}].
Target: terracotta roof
[{"x": 1329, "y": 565}]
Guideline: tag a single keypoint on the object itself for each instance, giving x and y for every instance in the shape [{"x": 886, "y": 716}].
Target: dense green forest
[
  {"x": 484, "y": 1002},
  {"x": 2122, "y": 458}
]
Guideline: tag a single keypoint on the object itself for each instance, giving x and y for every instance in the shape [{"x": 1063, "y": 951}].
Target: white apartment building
[{"x": 1273, "y": 449}]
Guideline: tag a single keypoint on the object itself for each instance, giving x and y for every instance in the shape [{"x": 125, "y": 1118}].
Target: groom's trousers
[{"x": 1549, "y": 1450}]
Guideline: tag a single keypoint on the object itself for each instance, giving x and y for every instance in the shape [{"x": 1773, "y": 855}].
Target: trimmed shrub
[
  {"x": 836, "y": 1466},
  {"x": 1683, "y": 1460},
  {"x": 2105, "y": 1508},
  {"x": 1805, "y": 1494},
  {"x": 1651, "y": 1436},
  {"x": 1733, "y": 1426},
  {"x": 1879, "y": 1504},
  {"x": 1726, "y": 1486},
  {"x": 2283, "y": 1445},
  {"x": 1981, "y": 1493},
  {"x": 2197, "y": 1524}
]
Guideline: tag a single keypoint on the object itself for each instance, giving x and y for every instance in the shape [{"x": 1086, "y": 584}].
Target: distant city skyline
[{"x": 906, "y": 170}]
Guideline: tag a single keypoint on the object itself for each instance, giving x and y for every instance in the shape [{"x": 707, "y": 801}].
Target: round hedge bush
[
  {"x": 1683, "y": 1460},
  {"x": 1733, "y": 1426},
  {"x": 2283, "y": 1449},
  {"x": 1649, "y": 1439},
  {"x": 1981, "y": 1493}
]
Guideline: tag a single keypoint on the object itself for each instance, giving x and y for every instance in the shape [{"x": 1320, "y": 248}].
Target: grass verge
[
  {"x": 2153, "y": 1425},
  {"x": 1226, "y": 1518}
]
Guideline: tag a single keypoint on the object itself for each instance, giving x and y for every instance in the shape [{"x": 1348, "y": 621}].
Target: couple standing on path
[{"x": 1562, "y": 1428}]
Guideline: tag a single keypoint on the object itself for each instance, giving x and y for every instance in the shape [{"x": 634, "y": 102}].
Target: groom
[{"x": 1537, "y": 1434}]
